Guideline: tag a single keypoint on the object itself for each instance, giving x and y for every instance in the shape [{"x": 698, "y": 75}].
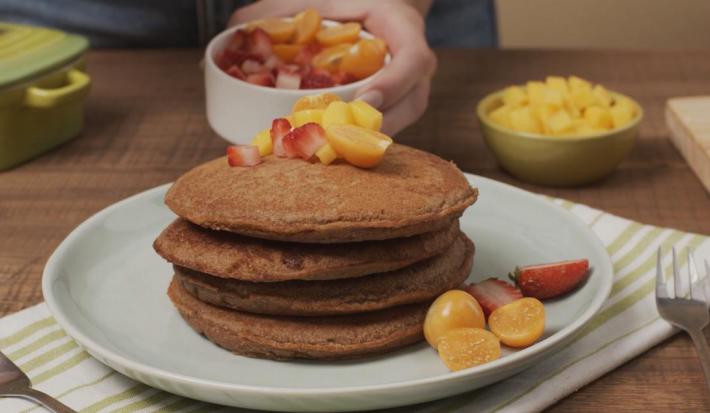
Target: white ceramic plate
[{"x": 106, "y": 288}]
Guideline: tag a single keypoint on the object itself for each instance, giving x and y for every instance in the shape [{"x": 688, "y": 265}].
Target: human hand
[{"x": 401, "y": 89}]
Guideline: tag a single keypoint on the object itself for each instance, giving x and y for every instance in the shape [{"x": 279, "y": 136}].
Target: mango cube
[
  {"x": 501, "y": 115},
  {"x": 622, "y": 113},
  {"x": 302, "y": 117},
  {"x": 603, "y": 96},
  {"x": 514, "y": 96},
  {"x": 522, "y": 119},
  {"x": 557, "y": 83},
  {"x": 337, "y": 113},
  {"x": 598, "y": 117},
  {"x": 262, "y": 140},
  {"x": 583, "y": 97},
  {"x": 365, "y": 115},
  {"x": 542, "y": 113},
  {"x": 536, "y": 93},
  {"x": 326, "y": 154},
  {"x": 576, "y": 83},
  {"x": 559, "y": 123}
]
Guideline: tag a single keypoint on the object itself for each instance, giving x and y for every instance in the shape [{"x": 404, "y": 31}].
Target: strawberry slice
[
  {"x": 493, "y": 293},
  {"x": 238, "y": 40},
  {"x": 279, "y": 129},
  {"x": 272, "y": 62},
  {"x": 286, "y": 79},
  {"x": 317, "y": 79},
  {"x": 343, "y": 78},
  {"x": 305, "y": 140},
  {"x": 305, "y": 55},
  {"x": 251, "y": 66},
  {"x": 261, "y": 79},
  {"x": 235, "y": 71},
  {"x": 243, "y": 155},
  {"x": 259, "y": 43},
  {"x": 545, "y": 281}
]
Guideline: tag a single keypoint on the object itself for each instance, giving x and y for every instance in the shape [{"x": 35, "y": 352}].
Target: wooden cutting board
[{"x": 688, "y": 120}]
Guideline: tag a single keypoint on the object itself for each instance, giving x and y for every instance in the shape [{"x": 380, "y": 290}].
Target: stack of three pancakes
[{"x": 342, "y": 264}]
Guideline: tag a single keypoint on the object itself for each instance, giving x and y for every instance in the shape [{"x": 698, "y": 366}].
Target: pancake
[
  {"x": 421, "y": 282},
  {"x": 228, "y": 255},
  {"x": 411, "y": 192},
  {"x": 320, "y": 338}
]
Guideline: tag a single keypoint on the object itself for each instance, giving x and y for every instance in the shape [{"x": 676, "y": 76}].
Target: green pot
[
  {"x": 556, "y": 160},
  {"x": 42, "y": 90}
]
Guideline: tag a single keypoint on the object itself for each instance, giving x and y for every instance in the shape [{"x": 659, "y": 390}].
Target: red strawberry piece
[
  {"x": 272, "y": 62},
  {"x": 317, "y": 80},
  {"x": 279, "y": 129},
  {"x": 260, "y": 43},
  {"x": 288, "y": 80},
  {"x": 243, "y": 155},
  {"x": 493, "y": 293},
  {"x": 238, "y": 41},
  {"x": 261, "y": 79},
  {"x": 305, "y": 55},
  {"x": 343, "y": 78},
  {"x": 251, "y": 66},
  {"x": 545, "y": 281},
  {"x": 305, "y": 140},
  {"x": 236, "y": 72}
]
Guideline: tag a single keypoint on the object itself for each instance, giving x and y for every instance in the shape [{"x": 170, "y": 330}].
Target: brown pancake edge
[
  {"x": 411, "y": 192},
  {"x": 284, "y": 338},
  {"x": 228, "y": 255},
  {"x": 420, "y": 282}
]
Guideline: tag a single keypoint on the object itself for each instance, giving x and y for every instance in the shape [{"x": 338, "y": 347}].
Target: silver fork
[
  {"x": 15, "y": 383},
  {"x": 688, "y": 307}
]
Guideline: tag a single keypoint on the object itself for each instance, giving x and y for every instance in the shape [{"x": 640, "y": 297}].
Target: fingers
[
  {"x": 277, "y": 8},
  {"x": 408, "y": 109}
]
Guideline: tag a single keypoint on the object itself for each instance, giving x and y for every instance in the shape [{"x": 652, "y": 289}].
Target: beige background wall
[{"x": 604, "y": 23}]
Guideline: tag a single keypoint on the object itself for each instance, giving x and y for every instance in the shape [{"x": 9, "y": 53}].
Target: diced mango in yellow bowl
[{"x": 559, "y": 131}]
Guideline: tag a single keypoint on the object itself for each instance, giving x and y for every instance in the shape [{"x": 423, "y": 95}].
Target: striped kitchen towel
[{"x": 626, "y": 326}]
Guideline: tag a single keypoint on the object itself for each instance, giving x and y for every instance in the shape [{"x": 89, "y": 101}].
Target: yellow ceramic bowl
[{"x": 556, "y": 160}]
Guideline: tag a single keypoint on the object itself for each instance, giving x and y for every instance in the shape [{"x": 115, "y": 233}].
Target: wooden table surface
[{"x": 145, "y": 125}]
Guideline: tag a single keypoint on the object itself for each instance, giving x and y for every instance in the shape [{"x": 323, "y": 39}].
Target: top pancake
[{"x": 411, "y": 192}]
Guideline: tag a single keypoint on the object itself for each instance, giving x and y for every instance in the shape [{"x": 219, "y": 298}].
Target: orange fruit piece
[
  {"x": 329, "y": 58},
  {"x": 280, "y": 30},
  {"x": 286, "y": 52},
  {"x": 359, "y": 146},
  {"x": 364, "y": 58},
  {"x": 452, "y": 309},
  {"x": 520, "y": 323},
  {"x": 307, "y": 26},
  {"x": 462, "y": 348},
  {"x": 342, "y": 33},
  {"x": 315, "y": 101}
]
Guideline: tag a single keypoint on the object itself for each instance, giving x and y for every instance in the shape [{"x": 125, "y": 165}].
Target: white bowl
[{"x": 237, "y": 110}]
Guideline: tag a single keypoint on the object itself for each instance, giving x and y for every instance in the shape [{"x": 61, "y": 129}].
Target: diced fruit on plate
[
  {"x": 520, "y": 323},
  {"x": 307, "y": 116},
  {"x": 243, "y": 155},
  {"x": 315, "y": 101},
  {"x": 337, "y": 113},
  {"x": 545, "y": 281},
  {"x": 359, "y": 146},
  {"x": 326, "y": 154},
  {"x": 562, "y": 107},
  {"x": 452, "y": 309},
  {"x": 342, "y": 33},
  {"x": 493, "y": 293},
  {"x": 262, "y": 140},
  {"x": 365, "y": 115},
  {"x": 463, "y": 348},
  {"x": 279, "y": 129},
  {"x": 304, "y": 141}
]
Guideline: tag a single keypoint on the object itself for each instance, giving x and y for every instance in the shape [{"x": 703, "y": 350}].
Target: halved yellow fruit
[{"x": 359, "y": 146}]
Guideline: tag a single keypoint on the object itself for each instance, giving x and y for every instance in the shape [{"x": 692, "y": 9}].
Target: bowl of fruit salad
[
  {"x": 559, "y": 132},
  {"x": 255, "y": 72}
]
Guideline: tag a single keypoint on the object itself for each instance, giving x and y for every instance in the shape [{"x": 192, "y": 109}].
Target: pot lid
[{"x": 27, "y": 51}]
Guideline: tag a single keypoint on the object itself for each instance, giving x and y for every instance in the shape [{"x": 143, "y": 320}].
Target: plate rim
[{"x": 111, "y": 358}]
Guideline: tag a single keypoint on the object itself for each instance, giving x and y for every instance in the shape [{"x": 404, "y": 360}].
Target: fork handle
[
  {"x": 701, "y": 347},
  {"x": 46, "y": 400}
]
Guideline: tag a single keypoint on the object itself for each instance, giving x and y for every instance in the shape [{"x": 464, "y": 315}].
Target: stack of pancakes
[{"x": 291, "y": 259}]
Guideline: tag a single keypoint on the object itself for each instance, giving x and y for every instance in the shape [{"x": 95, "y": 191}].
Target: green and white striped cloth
[{"x": 626, "y": 326}]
